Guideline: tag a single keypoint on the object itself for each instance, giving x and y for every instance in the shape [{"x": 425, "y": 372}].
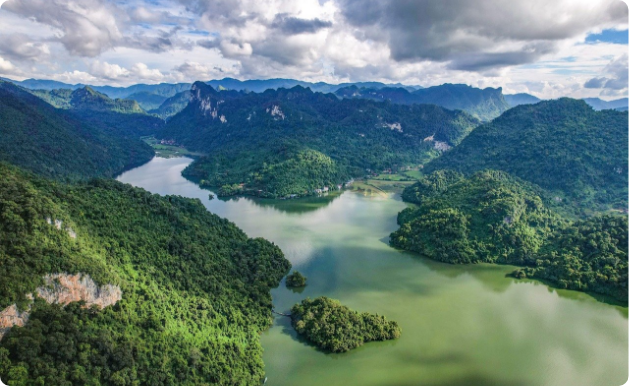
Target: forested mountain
[
  {"x": 492, "y": 217},
  {"x": 521, "y": 99},
  {"x": 261, "y": 85},
  {"x": 123, "y": 117},
  {"x": 147, "y": 100},
  {"x": 43, "y": 84},
  {"x": 294, "y": 141},
  {"x": 561, "y": 145},
  {"x": 57, "y": 144},
  {"x": 172, "y": 105},
  {"x": 167, "y": 90},
  {"x": 163, "y": 89},
  {"x": 192, "y": 289},
  {"x": 599, "y": 104},
  {"x": 484, "y": 104}
]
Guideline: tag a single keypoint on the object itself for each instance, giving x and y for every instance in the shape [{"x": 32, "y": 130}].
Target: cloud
[
  {"x": 293, "y": 25},
  {"x": 615, "y": 80},
  {"x": 23, "y": 47},
  {"x": 142, "y": 71},
  {"x": 489, "y": 60},
  {"x": 85, "y": 28},
  {"x": 595, "y": 83},
  {"x": 157, "y": 41},
  {"x": 476, "y": 34},
  {"x": 198, "y": 71},
  {"x": 108, "y": 71},
  {"x": 516, "y": 44},
  {"x": 6, "y": 66}
]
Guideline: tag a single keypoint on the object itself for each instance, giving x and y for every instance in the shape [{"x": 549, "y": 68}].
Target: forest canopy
[
  {"x": 335, "y": 328},
  {"x": 195, "y": 288}
]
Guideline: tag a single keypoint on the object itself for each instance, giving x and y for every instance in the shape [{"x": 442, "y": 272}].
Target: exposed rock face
[
  {"x": 62, "y": 288},
  {"x": 276, "y": 112},
  {"x": 394, "y": 126},
  {"x": 10, "y": 317},
  {"x": 442, "y": 146},
  {"x": 59, "y": 225}
]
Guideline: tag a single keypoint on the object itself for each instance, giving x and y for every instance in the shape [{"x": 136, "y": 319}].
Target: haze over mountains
[{"x": 483, "y": 104}]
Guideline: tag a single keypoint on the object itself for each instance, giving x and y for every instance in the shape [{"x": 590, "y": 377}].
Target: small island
[
  {"x": 335, "y": 328},
  {"x": 295, "y": 280}
]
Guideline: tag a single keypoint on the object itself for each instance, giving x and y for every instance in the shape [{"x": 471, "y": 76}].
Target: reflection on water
[{"x": 461, "y": 325}]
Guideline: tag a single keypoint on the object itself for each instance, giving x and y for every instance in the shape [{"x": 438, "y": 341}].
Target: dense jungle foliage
[
  {"x": 563, "y": 146},
  {"x": 484, "y": 104},
  {"x": 495, "y": 218},
  {"x": 489, "y": 217},
  {"x": 195, "y": 287},
  {"x": 263, "y": 140},
  {"x": 56, "y": 144},
  {"x": 335, "y": 328},
  {"x": 120, "y": 117},
  {"x": 284, "y": 171},
  {"x": 295, "y": 280}
]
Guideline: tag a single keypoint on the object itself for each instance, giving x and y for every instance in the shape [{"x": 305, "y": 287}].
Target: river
[{"x": 461, "y": 325}]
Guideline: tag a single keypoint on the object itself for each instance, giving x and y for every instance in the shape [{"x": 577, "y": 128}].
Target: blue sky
[
  {"x": 572, "y": 48},
  {"x": 608, "y": 36}
]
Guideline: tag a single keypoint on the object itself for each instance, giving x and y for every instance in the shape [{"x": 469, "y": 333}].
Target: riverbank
[
  {"x": 462, "y": 325},
  {"x": 166, "y": 150}
]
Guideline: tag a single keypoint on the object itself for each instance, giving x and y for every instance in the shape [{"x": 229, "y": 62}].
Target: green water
[{"x": 461, "y": 325}]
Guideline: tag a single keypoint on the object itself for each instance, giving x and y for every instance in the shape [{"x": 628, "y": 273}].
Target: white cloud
[
  {"x": 521, "y": 45},
  {"x": 6, "y": 67},
  {"x": 108, "y": 71},
  {"x": 142, "y": 72}
]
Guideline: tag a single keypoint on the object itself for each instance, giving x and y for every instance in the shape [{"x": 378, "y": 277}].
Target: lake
[{"x": 461, "y": 325}]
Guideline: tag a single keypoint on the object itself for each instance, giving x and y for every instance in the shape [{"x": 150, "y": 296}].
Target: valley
[{"x": 454, "y": 318}]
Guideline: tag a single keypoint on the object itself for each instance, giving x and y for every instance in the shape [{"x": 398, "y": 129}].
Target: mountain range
[
  {"x": 563, "y": 145},
  {"x": 58, "y": 144},
  {"x": 599, "y": 104},
  {"x": 520, "y": 99},
  {"x": 484, "y": 104},
  {"x": 124, "y": 117},
  {"x": 292, "y": 141}
]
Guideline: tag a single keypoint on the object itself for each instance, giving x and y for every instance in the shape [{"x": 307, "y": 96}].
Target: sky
[{"x": 549, "y": 49}]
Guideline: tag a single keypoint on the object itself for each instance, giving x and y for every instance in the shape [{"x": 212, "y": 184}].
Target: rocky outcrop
[
  {"x": 10, "y": 317},
  {"x": 59, "y": 225},
  {"x": 62, "y": 289}
]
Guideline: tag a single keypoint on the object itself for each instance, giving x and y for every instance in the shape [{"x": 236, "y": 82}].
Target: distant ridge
[
  {"x": 521, "y": 99},
  {"x": 599, "y": 104},
  {"x": 167, "y": 90},
  {"x": 484, "y": 104}
]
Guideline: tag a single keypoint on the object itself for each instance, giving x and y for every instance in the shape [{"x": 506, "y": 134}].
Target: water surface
[{"x": 461, "y": 325}]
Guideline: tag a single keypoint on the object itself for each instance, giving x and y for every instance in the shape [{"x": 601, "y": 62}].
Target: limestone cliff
[{"x": 62, "y": 288}]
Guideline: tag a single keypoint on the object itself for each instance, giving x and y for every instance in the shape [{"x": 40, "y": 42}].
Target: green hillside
[
  {"x": 172, "y": 105},
  {"x": 489, "y": 217},
  {"x": 562, "y": 145},
  {"x": 53, "y": 143},
  {"x": 122, "y": 117},
  {"x": 287, "y": 141},
  {"x": 492, "y": 217},
  {"x": 195, "y": 288}
]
